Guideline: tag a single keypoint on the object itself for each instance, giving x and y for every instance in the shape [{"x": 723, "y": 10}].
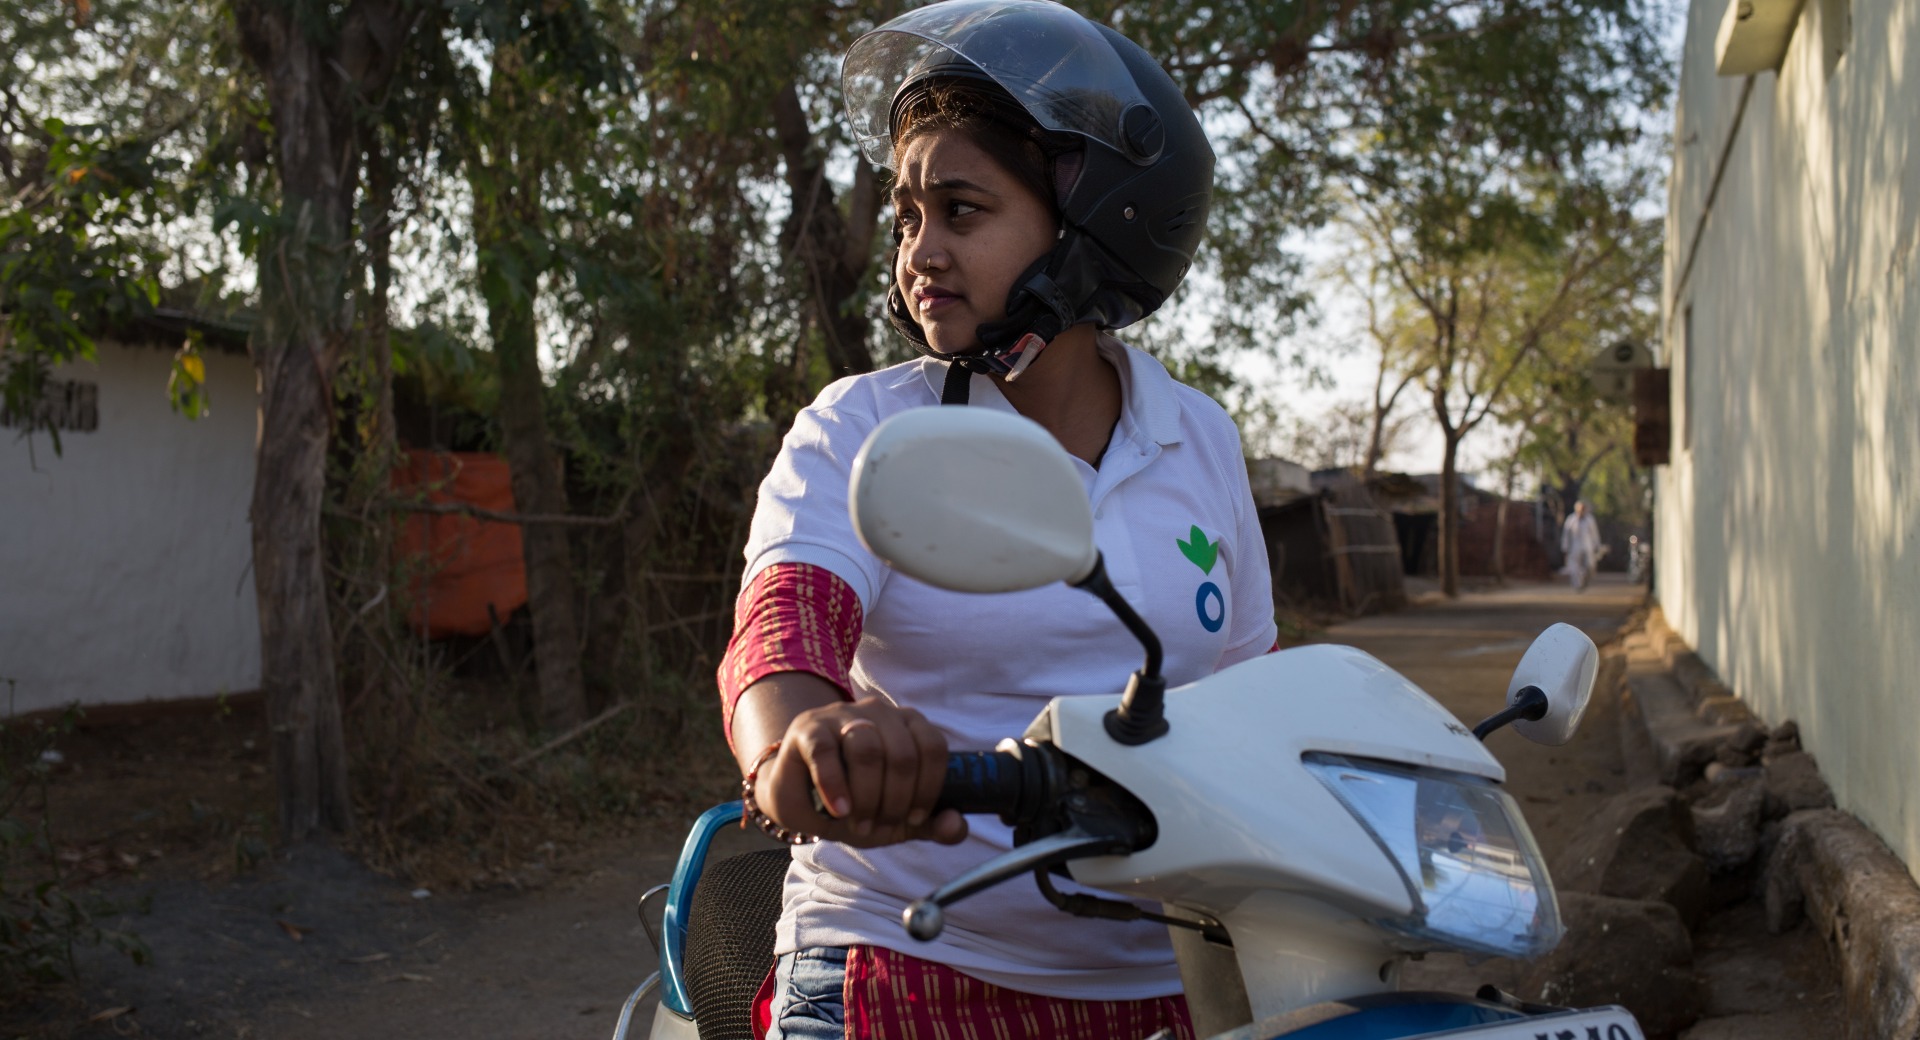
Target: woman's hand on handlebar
[{"x": 877, "y": 768}]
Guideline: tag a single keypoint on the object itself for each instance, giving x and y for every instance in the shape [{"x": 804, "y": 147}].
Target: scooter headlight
[{"x": 1477, "y": 880}]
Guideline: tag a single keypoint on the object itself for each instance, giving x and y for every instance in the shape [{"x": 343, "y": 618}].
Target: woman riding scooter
[{"x": 1050, "y": 185}]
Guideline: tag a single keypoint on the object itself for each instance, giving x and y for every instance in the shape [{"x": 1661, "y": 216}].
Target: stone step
[{"x": 1683, "y": 743}]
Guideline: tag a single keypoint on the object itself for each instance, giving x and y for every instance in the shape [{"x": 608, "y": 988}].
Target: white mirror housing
[
  {"x": 972, "y": 500},
  {"x": 1561, "y": 663}
]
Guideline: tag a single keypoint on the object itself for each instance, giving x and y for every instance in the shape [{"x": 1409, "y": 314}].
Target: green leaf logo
[{"x": 1200, "y": 551}]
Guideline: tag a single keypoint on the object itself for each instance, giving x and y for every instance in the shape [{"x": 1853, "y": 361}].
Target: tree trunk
[
  {"x": 1570, "y": 488},
  {"x": 1500, "y": 519},
  {"x": 317, "y": 79},
  {"x": 381, "y": 435},
  {"x": 375, "y": 455},
  {"x": 506, "y": 177},
  {"x": 1450, "y": 519},
  {"x": 538, "y": 487},
  {"x": 296, "y": 636},
  {"x": 1372, "y": 464},
  {"x": 1382, "y": 408},
  {"x": 1572, "y": 481},
  {"x": 832, "y": 249},
  {"x": 1499, "y": 542}
]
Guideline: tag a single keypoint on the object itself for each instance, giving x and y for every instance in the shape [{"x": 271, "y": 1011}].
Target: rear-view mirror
[
  {"x": 1561, "y": 663},
  {"x": 972, "y": 500}
]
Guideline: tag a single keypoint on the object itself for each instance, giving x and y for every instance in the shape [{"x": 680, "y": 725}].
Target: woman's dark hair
[{"x": 992, "y": 121}]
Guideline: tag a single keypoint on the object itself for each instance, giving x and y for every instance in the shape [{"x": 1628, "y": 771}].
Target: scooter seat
[{"x": 730, "y": 940}]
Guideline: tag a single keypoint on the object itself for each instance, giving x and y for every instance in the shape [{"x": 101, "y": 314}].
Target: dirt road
[
  {"x": 318, "y": 947},
  {"x": 1756, "y": 986},
  {"x": 1463, "y": 652}
]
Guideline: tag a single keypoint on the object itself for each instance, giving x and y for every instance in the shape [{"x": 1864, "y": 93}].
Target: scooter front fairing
[{"x": 1380, "y": 1016}]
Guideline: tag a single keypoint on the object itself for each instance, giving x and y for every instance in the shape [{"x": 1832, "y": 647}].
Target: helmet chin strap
[
  {"x": 1039, "y": 311},
  {"x": 961, "y": 367}
]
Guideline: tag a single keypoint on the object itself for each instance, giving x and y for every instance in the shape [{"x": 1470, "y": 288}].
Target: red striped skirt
[{"x": 893, "y": 996}]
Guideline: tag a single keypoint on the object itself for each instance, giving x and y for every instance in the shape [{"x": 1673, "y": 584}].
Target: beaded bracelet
[{"x": 752, "y": 811}]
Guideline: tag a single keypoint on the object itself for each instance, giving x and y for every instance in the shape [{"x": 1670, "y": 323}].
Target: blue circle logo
[{"x": 1210, "y": 620}]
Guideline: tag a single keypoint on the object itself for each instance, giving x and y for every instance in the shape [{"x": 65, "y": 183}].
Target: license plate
[{"x": 1609, "y": 1023}]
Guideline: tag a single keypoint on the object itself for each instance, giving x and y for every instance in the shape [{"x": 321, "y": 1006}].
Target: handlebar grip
[
  {"x": 1015, "y": 785},
  {"x": 984, "y": 782}
]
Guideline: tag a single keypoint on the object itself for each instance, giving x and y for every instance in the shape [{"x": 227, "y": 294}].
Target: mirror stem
[
  {"x": 1141, "y": 714},
  {"x": 1529, "y": 703}
]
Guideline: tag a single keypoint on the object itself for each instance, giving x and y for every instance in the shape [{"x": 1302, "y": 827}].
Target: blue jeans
[{"x": 809, "y": 1001}]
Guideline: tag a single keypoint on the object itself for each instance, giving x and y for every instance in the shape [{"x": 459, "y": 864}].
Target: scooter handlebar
[
  {"x": 1016, "y": 783},
  {"x": 982, "y": 782}
]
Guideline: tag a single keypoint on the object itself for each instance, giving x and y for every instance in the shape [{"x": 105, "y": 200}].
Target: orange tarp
[{"x": 460, "y": 564}]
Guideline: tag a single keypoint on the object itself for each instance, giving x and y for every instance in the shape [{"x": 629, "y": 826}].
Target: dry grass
[
  {"x": 186, "y": 789},
  {"x": 457, "y": 806}
]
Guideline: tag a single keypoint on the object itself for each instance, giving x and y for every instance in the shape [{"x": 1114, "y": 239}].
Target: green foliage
[
  {"x": 1428, "y": 110},
  {"x": 43, "y": 918},
  {"x": 75, "y": 256},
  {"x": 187, "y": 380},
  {"x": 1573, "y": 442},
  {"x": 108, "y": 114},
  {"x": 609, "y": 177},
  {"x": 251, "y": 221},
  {"x": 1495, "y": 180}
]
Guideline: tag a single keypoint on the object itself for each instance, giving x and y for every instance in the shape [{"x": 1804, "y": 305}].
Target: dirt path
[
  {"x": 1463, "y": 652},
  {"x": 371, "y": 960},
  {"x": 1756, "y": 986}
]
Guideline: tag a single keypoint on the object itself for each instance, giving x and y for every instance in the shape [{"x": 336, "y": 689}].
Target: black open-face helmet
[{"x": 1133, "y": 168}]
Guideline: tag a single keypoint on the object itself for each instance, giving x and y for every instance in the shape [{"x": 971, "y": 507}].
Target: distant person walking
[{"x": 1580, "y": 540}]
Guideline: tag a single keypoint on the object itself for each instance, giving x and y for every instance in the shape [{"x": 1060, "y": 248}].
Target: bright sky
[
  {"x": 1338, "y": 344},
  {"x": 1343, "y": 362}
]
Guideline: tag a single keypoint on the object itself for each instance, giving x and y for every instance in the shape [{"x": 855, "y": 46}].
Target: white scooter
[{"x": 1303, "y": 823}]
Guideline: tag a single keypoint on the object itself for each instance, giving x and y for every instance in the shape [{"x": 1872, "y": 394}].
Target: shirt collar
[
  {"x": 1150, "y": 407},
  {"x": 1147, "y": 389}
]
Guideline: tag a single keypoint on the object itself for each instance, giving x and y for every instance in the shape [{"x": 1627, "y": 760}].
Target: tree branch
[
  {"x": 863, "y": 212},
  {"x": 494, "y": 515},
  {"x": 1396, "y": 260}
]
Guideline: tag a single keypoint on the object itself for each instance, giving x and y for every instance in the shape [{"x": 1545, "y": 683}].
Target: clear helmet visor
[{"x": 1055, "y": 63}]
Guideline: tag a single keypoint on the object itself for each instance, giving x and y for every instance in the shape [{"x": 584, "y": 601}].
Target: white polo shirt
[{"x": 1174, "y": 518}]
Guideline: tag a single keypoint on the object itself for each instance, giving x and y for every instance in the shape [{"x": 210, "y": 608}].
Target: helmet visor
[{"x": 1051, "y": 60}]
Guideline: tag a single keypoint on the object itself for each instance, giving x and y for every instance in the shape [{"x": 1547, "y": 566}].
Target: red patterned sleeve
[{"x": 793, "y": 617}]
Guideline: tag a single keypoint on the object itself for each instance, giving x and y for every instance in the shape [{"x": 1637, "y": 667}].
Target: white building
[
  {"x": 124, "y": 561},
  {"x": 1788, "y": 523}
]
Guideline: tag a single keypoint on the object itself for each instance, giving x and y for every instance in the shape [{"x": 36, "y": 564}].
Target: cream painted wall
[
  {"x": 124, "y": 561},
  {"x": 1788, "y": 544}
]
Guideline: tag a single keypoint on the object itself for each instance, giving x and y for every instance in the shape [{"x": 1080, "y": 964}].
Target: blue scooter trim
[{"x": 673, "y": 921}]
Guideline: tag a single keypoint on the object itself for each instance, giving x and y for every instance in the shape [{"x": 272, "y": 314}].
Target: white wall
[
  {"x": 124, "y": 561},
  {"x": 1788, "y": 537}
]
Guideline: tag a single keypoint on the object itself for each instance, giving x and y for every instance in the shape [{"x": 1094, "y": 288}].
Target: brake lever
[{"x": 926, "y": 918}]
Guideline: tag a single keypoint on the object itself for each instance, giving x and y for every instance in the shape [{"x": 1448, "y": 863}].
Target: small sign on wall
[
  {"x": 65, "y": 404},
  {"x": 1612, "y": 369},
  {"x": 1652, "y": 430}
]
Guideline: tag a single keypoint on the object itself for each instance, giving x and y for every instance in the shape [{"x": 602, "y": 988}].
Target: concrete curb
[
  {"x": 1826, "y": 863},
  {"x": 1683, "y": 743},
  {"x": 1858, "y": 893}
]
